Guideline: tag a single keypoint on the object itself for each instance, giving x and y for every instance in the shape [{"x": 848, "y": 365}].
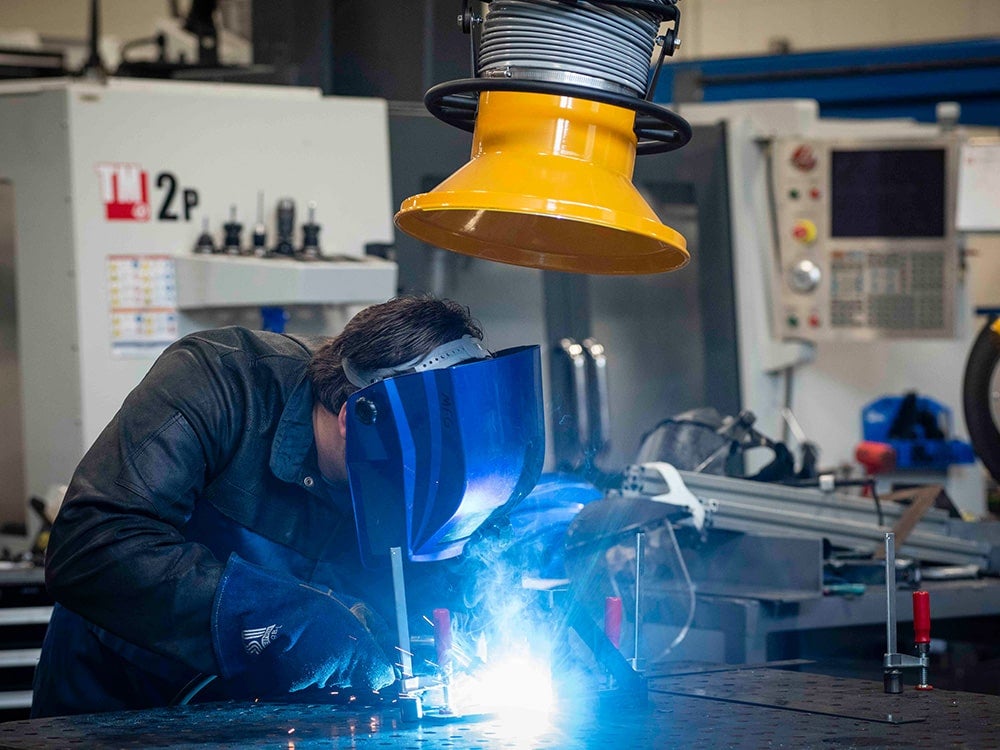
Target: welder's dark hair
[{"x": 386, "y": 335}]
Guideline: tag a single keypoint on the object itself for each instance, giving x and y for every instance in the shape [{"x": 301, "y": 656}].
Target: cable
[
  {"x": 692, "y": 601},
  {"x": 878, "y": 502},
  {"x": 191, "y": 689}
]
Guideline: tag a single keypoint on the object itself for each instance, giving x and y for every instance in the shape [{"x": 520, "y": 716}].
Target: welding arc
[{"x": 522, "y": 38}]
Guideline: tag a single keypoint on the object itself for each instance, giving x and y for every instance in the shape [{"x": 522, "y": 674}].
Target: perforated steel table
[{"x": 752, "y": 708}]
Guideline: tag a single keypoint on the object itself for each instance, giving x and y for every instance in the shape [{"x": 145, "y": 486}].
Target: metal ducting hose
[{"x": 585, "y": 44}]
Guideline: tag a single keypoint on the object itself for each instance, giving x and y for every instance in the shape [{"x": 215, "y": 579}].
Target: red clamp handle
[
  {"x": 921, "y": 617},
  {"x": 442, "y": 636},
  {"x": 613, "y": 620}
]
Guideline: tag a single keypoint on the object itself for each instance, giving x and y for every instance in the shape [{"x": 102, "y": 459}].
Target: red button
[
  {"x": 804, "y": 158},
  {"x": 814, "y": 320},
  {"x": 815, "y": 194},
  {"x": 804, "y": 230}
]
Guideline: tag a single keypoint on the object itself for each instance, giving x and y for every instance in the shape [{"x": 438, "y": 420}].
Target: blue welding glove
[{"x": 279, "y": 634}]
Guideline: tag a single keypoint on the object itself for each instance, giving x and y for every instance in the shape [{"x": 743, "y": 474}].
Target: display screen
[{"x": 887, "y": 193}]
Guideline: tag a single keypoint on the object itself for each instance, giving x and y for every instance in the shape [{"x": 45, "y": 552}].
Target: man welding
[{"x": 218, "y": 524}]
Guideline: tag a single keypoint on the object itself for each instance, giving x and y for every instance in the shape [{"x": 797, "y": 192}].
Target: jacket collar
[
  {"x": 293, "y": 439},
  {"x": 293, "y": 451}
]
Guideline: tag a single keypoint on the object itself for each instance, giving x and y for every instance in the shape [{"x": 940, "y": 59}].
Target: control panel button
[
  {"x": 793, "y": 194},
  {"x": 814, "y": 320},
  {"x": 804, "y": 231},
  {"x": 793, "y": 321},
  {"x": 804, "y": 276},
  {"x": 804, "y": 158},
  {"x": 815, "y": 194}
]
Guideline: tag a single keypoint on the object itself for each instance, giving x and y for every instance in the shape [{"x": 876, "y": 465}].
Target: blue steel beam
[{"x": 904, "y": 81}]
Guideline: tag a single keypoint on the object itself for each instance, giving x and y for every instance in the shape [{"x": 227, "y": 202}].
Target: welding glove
[{"x": 275, "y": 631}]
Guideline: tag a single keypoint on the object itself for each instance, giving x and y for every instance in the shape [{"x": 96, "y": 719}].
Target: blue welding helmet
[{"x": 433, "y": 453}]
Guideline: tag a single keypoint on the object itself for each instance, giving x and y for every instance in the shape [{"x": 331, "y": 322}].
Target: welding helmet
[{"x": 433, "y": 452}]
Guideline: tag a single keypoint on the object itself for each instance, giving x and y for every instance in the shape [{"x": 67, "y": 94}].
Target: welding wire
[
  {"x": 442, "y": 637},
  {"x": 613, "y": 620}
]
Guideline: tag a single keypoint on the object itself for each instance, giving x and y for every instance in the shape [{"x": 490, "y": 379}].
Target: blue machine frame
[{"x": 905, "y": 81}]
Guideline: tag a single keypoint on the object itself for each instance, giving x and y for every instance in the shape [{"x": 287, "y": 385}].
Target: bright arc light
[{"x": 515, "y": 685}]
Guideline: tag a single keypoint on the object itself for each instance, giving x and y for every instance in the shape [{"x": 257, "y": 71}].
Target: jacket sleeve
[{"x": 116, "y": 554}]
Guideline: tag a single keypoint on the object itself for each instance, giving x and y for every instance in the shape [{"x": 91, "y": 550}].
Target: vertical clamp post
[{"x": 893, "y": 663}]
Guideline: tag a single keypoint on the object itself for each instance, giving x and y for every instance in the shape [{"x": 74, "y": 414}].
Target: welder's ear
[{"x": 342, "y": 421}]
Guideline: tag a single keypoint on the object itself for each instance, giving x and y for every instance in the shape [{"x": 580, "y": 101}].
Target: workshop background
[{"x": 715, "y": 334}]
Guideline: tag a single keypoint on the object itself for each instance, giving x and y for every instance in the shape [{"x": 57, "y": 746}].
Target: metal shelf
[{"x": 207, "y": 281}]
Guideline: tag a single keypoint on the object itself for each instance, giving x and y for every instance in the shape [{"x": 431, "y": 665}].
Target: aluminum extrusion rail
[{"x": 758, "y": 507}]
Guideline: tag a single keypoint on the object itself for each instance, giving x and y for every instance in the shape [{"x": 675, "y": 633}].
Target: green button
[
  {"x": 793, "y": 321},
  {"x": 793, "y": 194}
]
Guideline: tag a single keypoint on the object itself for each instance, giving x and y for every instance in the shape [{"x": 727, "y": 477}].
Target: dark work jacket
[{"x": 212, "y": 453}]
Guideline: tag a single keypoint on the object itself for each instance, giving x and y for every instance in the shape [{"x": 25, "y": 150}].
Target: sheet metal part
[
  {"x": 769, "y": 567},
  {"x": 757, "y": 720}
]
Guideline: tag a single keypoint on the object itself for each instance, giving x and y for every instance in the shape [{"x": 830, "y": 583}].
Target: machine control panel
[{"x": 866, "y": 238}]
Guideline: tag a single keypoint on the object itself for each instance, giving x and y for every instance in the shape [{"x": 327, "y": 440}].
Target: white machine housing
[
  {"x": 828, "y": 380},
  {"x": 110, "y": 185}
]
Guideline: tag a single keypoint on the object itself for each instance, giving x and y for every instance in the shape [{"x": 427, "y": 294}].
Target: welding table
[{"x": 750, "y": 708}]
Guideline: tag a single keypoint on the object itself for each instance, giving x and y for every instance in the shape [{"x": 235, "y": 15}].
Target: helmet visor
[{"x": 431, "y": 455}]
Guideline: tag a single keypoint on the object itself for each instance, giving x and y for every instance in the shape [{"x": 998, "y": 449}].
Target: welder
[{"x": 213, "y": 528}]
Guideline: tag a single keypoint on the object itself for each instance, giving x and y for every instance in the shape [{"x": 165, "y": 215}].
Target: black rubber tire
[{"x": 984, "y": 432}]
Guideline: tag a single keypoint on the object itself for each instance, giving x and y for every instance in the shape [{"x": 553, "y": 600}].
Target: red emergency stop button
[
  {"x": 804, "y": 231},
  {"x": 804, "y": 158}
]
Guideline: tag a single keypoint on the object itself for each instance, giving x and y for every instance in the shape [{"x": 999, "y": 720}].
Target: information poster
[
  {"x": 979, "y": 186},
  {"x": 142, "y": 292}
]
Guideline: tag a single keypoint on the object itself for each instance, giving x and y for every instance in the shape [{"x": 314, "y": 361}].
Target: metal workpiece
[
  {"x": 768, "y": 567},
  {"x": 740, "y": 709},
  {"x": 402, "y": 615}
]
